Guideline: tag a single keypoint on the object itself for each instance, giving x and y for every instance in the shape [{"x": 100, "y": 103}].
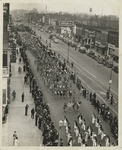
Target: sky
[{"x": 99, "y": 7}]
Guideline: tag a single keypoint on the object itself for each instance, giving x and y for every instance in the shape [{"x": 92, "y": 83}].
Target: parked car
[
  {"x": 115, "y": 68},
  {"x": 109, "y": 64},
  {"x": 90, "y": 53},
  {"x": 56, "y": 40},
  {"x": 100, "y": 60},
  {"x": 82, "y": 49},
  {"x": 96, "y": 56}
]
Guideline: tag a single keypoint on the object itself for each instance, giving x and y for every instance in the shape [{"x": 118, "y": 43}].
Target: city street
[
  {"x": 56, "y": 109},
  {"x": 60, "y": 74},
  {"x": 95, "y": 76}
]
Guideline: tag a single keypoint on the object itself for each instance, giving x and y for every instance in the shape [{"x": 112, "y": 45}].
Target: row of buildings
[
  {"x": 6, "y": 57},
  {"x": 105, "y": 40}
]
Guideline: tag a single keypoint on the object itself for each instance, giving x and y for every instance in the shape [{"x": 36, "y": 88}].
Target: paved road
[
  {"x": 94, "y": 75},
  {"x": 28, "y": 133},
  {"x": 56, "y": 109}
]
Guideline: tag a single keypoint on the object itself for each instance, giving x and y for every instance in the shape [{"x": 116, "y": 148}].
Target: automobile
[
  {"x": 56, "y": 40},
  {"x": 115, "y": 68},
  {"x": 73, "y": 44},
  {"x": 100, "y": 60},
  {"x": 96, "y": 56},
  {"x": 53, "y": 38},
  {"x": 109, "y": 63},
  {"x": 78, "y": 45},
  {"x": 82, "y": 49},
  {"x": 90, "y": 53}
]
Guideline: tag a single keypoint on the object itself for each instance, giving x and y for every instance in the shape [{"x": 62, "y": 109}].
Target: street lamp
[{"x": 110, "y": 80}]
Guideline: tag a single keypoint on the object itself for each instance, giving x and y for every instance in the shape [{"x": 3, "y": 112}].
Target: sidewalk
[{"x": 28, "y": 133}]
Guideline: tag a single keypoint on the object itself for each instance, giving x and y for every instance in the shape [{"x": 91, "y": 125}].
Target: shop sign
[{"x": 111, "y": 46}]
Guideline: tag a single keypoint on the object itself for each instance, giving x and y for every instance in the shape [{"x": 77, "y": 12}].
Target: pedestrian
[
  {"x": 40, "y": 121},
  {"x": 32, "y": 113},
  {"x": 107, "y": 94},
  {"x": 90, "y": 96},
  {"x": 111, "y": 99},
  {"x": 24, "y": 68},
  {"x": 26, "y": 110},
  {"x": 14, "y": 137},
  {"x": 23, "y": 97},
  {"x": 16, "y": 142},
  {"x": 36, "y": 119},
  {"x": 25, "y": 79}
]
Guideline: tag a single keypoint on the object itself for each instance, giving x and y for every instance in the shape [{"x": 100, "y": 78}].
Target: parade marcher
[
  {"x": 23, "y": 97},
  {"x": 79, "y": 139},
  {"x": 19, "y": 60},
  {"x": 14, "y": 137},
  {"x": 64, "y": 107},
  {"x": 61, "y": 142},
  {"x": 80, "y": 118},
  {"x": 16, "y": 142},
  {"x": 32, "y": 113},
  {"x": 26, "y": 110}
]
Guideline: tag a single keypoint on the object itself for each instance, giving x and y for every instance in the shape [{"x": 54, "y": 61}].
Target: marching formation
[{"x": 60, "y": 81}]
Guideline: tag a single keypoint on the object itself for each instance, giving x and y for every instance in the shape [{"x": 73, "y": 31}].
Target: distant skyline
[{"x": 99, "y": 7}]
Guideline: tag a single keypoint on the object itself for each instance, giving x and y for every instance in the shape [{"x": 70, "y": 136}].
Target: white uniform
[
  {"x": 86, "y": 136},
  {"x": 77, "y": 132},
  {"x": 79, "y": 139},
  {"x": 93, "y": 119}
]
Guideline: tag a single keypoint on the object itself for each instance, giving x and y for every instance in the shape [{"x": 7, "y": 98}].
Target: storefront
[
  {"x": 111, "y": 48},
  {"x": 115, "y": 55},
  {"x": 101, "y": 41},
  {"x": 102, "y": 49}
]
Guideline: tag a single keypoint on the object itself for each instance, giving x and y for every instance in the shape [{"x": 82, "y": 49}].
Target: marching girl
[
  {"x": 68, "y": 137},
  {"x": 93, "y": 118},
  {"x": 83, "y": 126},
  {"x": 80, "y": 139},
  {"x": 86, "y": 136},
  {"x": 75, "y": 126},
  {"x": 77, "y": 132},
  {"x": 80, "y": 118},
  {"x": 102, "y": 135},
  {"x": 107, "y": 141},
  {"x": 99, "y": 129}
]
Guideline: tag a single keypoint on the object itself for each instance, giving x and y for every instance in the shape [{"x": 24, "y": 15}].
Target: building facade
[
  {"x": 101, "y": 39},
  {"x": 67, "y": 28},
  {"x": 6, "y": 57},
  {"x": 113, "y": 44}
]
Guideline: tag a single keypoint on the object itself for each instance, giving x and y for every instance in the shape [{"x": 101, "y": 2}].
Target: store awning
[
  {"x": 101, "y": 46},
  {"x": 116, "y": 53}
]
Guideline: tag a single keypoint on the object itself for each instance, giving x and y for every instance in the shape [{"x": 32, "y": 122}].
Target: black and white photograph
[{"x": 60, "y": 73}]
